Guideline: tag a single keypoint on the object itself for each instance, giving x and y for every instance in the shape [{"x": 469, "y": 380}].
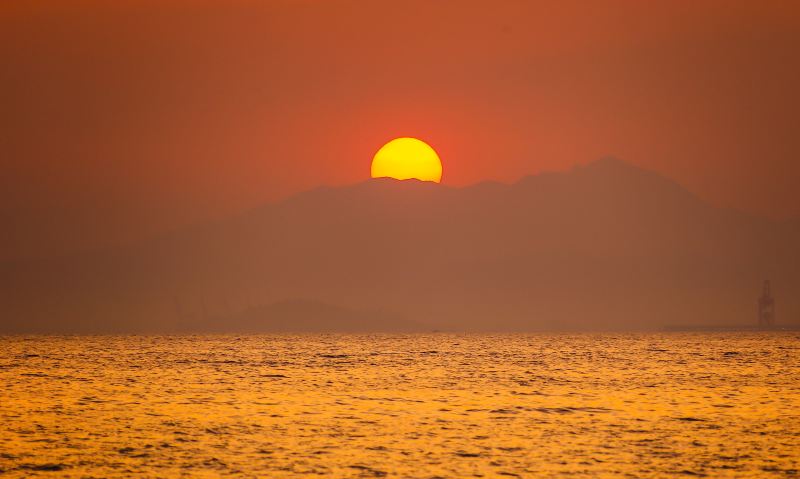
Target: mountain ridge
[{"x": 604, "y": 245}]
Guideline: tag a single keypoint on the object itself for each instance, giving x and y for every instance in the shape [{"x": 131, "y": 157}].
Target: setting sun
[{"x": 406, "y": 158}]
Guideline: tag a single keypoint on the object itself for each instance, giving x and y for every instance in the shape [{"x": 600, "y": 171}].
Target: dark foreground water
[{"x": 416, "y": 406}]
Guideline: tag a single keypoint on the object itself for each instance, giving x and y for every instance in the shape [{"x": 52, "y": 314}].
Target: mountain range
[{"x": 606, "y": 245}]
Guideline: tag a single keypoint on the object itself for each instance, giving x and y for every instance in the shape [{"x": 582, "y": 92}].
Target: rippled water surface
[{"x": 416, "y": 406}]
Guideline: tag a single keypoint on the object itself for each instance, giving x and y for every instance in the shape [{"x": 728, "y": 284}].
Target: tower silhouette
[{"x": 766, "y": 307}]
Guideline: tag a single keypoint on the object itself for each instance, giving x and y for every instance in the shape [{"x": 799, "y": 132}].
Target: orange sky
[{"x": 119, "y": 120}]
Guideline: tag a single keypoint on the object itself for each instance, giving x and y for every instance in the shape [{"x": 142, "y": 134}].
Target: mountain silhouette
[
  {"x": 604, "y": 246},
  {"x": 306, "y": 316}
]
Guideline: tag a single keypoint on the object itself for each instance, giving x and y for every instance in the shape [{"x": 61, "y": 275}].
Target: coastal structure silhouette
[{"x": 766, "y": 307}]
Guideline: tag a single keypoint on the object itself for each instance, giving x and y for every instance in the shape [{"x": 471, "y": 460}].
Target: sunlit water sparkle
[{"x": 415, "y": 406}]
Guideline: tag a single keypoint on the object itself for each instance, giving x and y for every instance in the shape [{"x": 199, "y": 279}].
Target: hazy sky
[{"x": 119, "y": 120}]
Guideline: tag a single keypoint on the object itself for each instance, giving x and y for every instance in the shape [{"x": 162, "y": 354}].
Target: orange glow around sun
[{"x": 406, "y": 158}]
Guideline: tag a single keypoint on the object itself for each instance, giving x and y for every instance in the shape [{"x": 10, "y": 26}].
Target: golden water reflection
[{"x": 416, "y": 406}]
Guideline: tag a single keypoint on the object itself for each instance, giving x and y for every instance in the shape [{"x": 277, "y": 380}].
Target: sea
[{"x": 439, "y": 405}]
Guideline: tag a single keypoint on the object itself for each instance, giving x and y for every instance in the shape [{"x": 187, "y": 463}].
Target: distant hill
[
  {"x": 304, "y": 316},
  {"x": 606, "y": 245}
]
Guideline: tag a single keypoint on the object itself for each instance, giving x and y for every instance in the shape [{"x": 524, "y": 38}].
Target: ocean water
[{"x": 406, "y": 406}]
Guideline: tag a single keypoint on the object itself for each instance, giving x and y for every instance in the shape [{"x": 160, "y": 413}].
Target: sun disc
[{"x": 407, "y": 158}]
